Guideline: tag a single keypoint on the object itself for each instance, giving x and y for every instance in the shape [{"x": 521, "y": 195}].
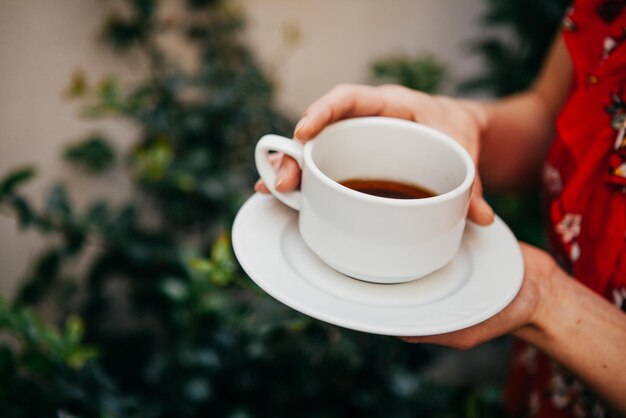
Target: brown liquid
[{"x": 386, "y": 188}]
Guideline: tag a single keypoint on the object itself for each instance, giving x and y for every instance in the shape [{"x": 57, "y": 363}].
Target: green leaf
[
  {"x": 41, "y": 279},
  {"x": 222, "y": 255},
  {"x": 201, "y": 265},
  {"x": 95, "y": 154},
  {"x": 74, "y": 330},
  {"x": 25, "y": 214},
  {"x": 78, "y": 358},
  {"x": 152, "y": 162},
  {"x": 211, "y": 271},
  {"x": 126, "y": 220},
  {"x": 78, "y": 85},
  {"x": 109, "y": 93},
  {"x": 122, "y": 34},
  {"x": 58, "y": 202},
  {"x": 185, "y": 182},
  {"x": 98, "y": 213},
  {"x": 74, "y": 240},
  {"x": 13, "y": 179}
]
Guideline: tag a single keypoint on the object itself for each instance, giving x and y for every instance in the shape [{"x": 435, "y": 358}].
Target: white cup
[{"x": 371, "y": 238}]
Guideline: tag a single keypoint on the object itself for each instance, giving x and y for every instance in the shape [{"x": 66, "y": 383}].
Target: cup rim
[{"x": 449, "y": 195}]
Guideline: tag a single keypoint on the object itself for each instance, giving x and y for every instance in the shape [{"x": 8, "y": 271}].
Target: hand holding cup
[{"x": 458, "y": 119}]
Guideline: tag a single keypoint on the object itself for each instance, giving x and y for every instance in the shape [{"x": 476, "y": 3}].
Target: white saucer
[{"x": 482, "y": 280}]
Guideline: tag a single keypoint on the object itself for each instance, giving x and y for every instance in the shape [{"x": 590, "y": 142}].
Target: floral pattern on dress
[
  {"x": 569, "y": 229},
  {"x": 617, "y": 158},
  {"x": 568, "y": 393},
  {"x": 610, "y": 43},
  {"x": 585, "y": 183},
  {"x": 568, "y": 23}
]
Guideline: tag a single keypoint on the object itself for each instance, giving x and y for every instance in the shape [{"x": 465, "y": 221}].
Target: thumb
[{"x": 479, "y": 210}]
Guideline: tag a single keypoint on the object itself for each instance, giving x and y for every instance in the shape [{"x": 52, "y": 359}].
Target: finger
[
  {"x": 463, "y": 339},
  {"x": 341, "y": 102},
  {"x": 412, "y": 340},
  {"x": 513, "y": 318},
  {"x": 275, "y": 159},
  {"x": 502, "y": 323},
  {"x": 479, "y": 210},
  {"x": 288, "y": 176},
  {"x": 260, "y": 187}
]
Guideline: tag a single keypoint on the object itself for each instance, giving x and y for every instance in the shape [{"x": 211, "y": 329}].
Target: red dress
[{"x": 585, "y": 181}]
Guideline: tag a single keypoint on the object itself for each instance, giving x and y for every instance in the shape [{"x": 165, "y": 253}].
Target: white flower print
[
  {"x": 560, "y": 395},
  {"x": 569, "y": 227},
  {"x": 552, "y": 179},
  {"x": 564, "y": 393},
  {"x": 568, "y": 23},
  {"x": 608, "y": 47},
  {"x": 568, "y": 393}
]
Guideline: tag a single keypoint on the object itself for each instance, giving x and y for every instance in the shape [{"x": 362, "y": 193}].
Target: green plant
[
  {"x": 45, "y": 370},
  {"x": 94, "y": 154},
  {"x": 514, "y": 51},
  {"x": 423, "y": 72},
  {"x": 169, "y": 319}
]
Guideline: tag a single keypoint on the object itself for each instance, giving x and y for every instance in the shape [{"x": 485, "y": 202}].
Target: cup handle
[{"x": 287, "y": 146}]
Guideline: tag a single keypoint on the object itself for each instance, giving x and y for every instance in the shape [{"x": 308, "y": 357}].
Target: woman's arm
[
  {"x": 586, "y": 334},
  {"x": 518, "y": 129}
]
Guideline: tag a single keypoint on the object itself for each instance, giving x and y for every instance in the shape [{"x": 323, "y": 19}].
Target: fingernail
[
  {"x": 487, "y": 210},
  {"x": 299, "y": 126},
  {"x": 280, "y": 177}
]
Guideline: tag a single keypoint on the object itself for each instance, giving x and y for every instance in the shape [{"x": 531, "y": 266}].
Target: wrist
[
  {"x": 551, "y": 290},
  {"x": 550, "y": 297}
]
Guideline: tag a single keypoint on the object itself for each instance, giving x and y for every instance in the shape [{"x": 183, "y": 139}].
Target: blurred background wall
[{"x": 306, "y": 46}]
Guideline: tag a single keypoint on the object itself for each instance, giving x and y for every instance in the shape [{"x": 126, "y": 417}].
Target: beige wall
[
  {"x": 42, "y": 42},
  {"x": 339, "y": 39}
]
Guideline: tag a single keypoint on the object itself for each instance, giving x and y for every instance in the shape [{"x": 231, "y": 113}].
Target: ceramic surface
[{"x": 480, "y": 281}]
